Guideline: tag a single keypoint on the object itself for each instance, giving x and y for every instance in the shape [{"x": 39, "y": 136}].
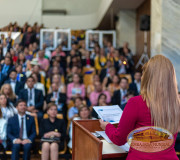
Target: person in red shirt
[{"x": 158, "y": 105}]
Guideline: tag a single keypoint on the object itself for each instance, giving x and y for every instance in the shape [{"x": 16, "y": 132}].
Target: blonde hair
[
  {"x": 159, "y": 90},
  {"x": 11, "y": 94}
]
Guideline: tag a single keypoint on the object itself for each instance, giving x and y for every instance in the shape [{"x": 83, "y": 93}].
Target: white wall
[
  {"x": 86, "y": 21},
  {"x": 31, "y": 11},
  {"x": 126, "y": 28},
  {"x": 20, "y": 10},
  {"x": 73, "y": 7}
]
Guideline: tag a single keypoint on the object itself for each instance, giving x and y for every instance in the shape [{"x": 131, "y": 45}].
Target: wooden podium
[{"x": 88, "y": 147}]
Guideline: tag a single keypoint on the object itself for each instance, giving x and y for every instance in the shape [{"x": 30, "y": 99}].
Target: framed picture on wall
[
  {"x": 63, "y": 37},
  {"x": 47, "y": 36},
  {"x": 92, "y": 38},
  {"x": 108, "y": 36},
  {"x": 100, "y": 37}
]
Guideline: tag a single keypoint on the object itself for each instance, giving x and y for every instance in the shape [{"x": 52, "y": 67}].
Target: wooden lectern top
[{"x": 88, "y": 147}]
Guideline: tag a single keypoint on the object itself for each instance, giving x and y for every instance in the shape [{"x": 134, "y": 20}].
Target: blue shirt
[
  {"x": 5, "y": 69},
  {"x": 72, "y": 112}
]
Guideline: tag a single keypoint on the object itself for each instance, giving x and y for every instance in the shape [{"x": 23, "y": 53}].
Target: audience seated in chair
[
  {"x": 37, "y": 84},
  {"x": 34, "y": 98},
  {"x": 43, "y": 62},
  {"x": 84, "y": 113},
  {"x": 136, "y": 85},
  {"x": 7, "y": 109},
  {"x": 104, "y": 72},
  {"x": 100, "y": 61},
  {"x": 3, "y": 131},
  {"x": 128, "y": 96},
  {"x": 91, "y": 87},
  {"x": 115, "y": 85},
  {"x": 7, "y": 90},
  {"x": 2, "y": 77},
  {"x": 56, "y": 78},
  {"x": 7, "y": 66},
  {"x": 75, "y": 70},
  {"x": 75, "y": 89},
  {"x": 21, "y": 132},
  {"x": 73, "y": 111},
  {"x": 119, "y": 95},
  {"x": 109, "y": 77},
  {"x": 50, "y": 128},
  {"x": 58, "y": 98},
  {"x": 101, "y": 102},
  {"x": 15, "y": 85},
  {"x": 95, "y": 94}
]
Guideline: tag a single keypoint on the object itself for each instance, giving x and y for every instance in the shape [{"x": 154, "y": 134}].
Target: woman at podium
[{"x": 158, "y": 105}]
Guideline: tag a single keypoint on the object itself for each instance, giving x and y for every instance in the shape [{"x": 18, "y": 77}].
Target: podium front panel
[
  {"x": 85, "y": 145},
  {"x": 88, "y": 147}
]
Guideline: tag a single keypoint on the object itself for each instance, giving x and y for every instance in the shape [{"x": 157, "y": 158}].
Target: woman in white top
[
  {"x": 7, "y": 109},
  {"x": 3, "y": 130},
  {"x": 84, "y": 114}
]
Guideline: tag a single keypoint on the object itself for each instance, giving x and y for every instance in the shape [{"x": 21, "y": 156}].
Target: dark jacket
[
  {"x": 11, "y": 67},
  {"x": 39, "y": 98},
  {"x": 116, "y": 99},
  {"x": 62, "y": 98},
  {"x": 103, "y": 74},
  {"x": 58, "y": 125},
  {"x": 13, "y": 128},
  {"x": 32, "y": 39},
  {"x": 133, "y": 87}
]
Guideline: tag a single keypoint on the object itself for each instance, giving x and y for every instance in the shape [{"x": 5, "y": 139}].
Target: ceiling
[
  {"x": 79, "y": 8},
  {"x": 108, "y": 21},
  {"x": 127, "y": 4},
  {"x": 72, "y": 7}
]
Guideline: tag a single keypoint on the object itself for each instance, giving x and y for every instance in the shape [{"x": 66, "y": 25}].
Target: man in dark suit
[
  {"x": 105, "y": 71},
  {"x": 119, "y": 95},
  {"x": 21, "y": 132},
  {"x": 2, "y": 38},
  {"x": 21, "y": 77},
  {"x": 33, "y": 97},
  {"x": 7, "y": 66},
  {"x": 16, "y": 86},
  {"x": 2, "y": 78},
  {"x": 9, "y": 41},
  {"x": 136, "y": 85},
  {"x": 28, "y": 38},
  {"x": 58, "y": 98},
  {"x": 128, "y": 96}
]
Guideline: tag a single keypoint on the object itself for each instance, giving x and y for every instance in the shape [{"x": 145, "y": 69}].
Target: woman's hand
[
  {"x": 57, "y": 134},
  {"x": 46, "y": 135},
  {"x": 103, "y": 124}
]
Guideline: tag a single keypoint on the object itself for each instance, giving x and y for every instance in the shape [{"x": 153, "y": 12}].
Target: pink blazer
[{"x": 136, "y": 114}]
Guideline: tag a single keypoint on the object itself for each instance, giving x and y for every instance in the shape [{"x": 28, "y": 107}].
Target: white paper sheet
[
  {"x": 124, "y": 147},
  {"x": 103, "y": 134},
  {"x": 110, "y": 114}
]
